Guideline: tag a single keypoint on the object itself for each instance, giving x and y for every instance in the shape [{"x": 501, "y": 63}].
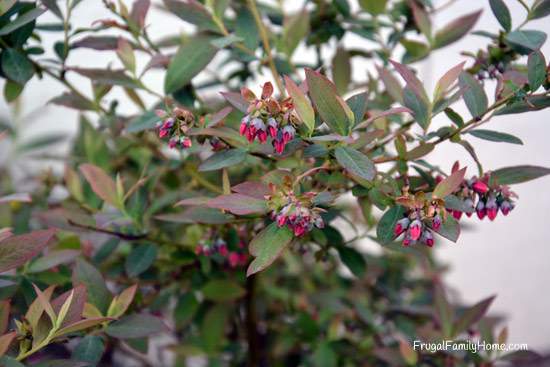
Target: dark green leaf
[
  {"x": 12, "y": 90},
  {"x": 358, "y": 105},
  {"x": 474, "y": 96},
  {"x": 223, "y": 159},
  {"x": 90, "y": 349},
  {"x": 222, "y": 290},
  {"x": 419, "y": 106},
  {"x": 136, "y": 326},
  {"x": 529, "y": 40},
  {"x": 213, "y": 326},
  {"x": 495, "y": 136},
  {"x": 454, "y": 117},
  {"x": 140, "y": 259},
  {"x": 536, "y": 70},
  {"x": 501, "y": 12},
  {"x": 239, "y": 204},
  {"x": 450, "y": 229},
  {"x": 341, "y": 70},
  {"x": 386, "y": 225},
  {"x": 353, "y": 260},
  {"x": 192, "y": 12},
  {"x": 190, "y": 60},
  {"x": 332, "y": 109},
  {"x": 533, "y": 103},
  {"x": 87, "y": 275},
  {"x": 355, "y": 162},
  {"x": 540, "y": 9},
  {"x": 518, "y": 174},
  {"x": 267, "y": 246},
  {"x": 185, "y": 309},
  {"x": 143, "y": 122},
  {"x": 21, "y": 20},
  {"x": 16, "y": 66}
]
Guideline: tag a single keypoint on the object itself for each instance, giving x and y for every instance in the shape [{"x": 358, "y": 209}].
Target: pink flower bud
[
  {"x": 163, "y": 133},
  {"x": 436, "y": 222},
  {"x": 172, "y": 143},
  {"x": 281, "y": 220},
  {"x": 415, "y": 229},
  {"x": 492, "y": 208},
  {"x": 427, "y": 238},
  {"x": 198, "y": 250},
  {"x": 233, "y": 259},
  {"x": 262, "y": 136},
  {"x": 480, "y": 210},
  {"x": 186, "y": 143},
  {"x": 244, "y": 127},
  {"x": 222, "y": 249},
  {"x": 299, "y": 230},
  {"x": 480, "y": 187},
  {"x": 401, "y": 226},
  {"x": 457, "y": 214},
  {"x": 506, "y": 207}
]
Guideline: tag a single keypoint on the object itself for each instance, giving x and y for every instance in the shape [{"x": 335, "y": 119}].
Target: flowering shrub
[{"x": 231, "y": 226}]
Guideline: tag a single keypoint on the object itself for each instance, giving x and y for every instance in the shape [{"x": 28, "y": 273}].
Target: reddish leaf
[
  {"x": 236, "y": 100},
  {"x": 139, "y": 12},
  {"x": 77, "y": 304},
  {"x": 82, "y": 325},
  {"x": 102, "y": 184},
  {"x": 120, "y": 303},
  {"x": 412, "y": 81},
  {"x": 449, "y": 184},
  {"x": 472, "y": 315},
  {"x": 456, "y": 29},
  {"x": 447, "y": 80},
  {"x": 101, "y": 43},
  {"x": 5, "y": 342},
  {"x": 17, "y": 250},
  {"x": 250, "y": 188},
  {"x": 301, "y": 104},
  {"x": 239, "y": 204},
  {"x": 5, "y": 308}
]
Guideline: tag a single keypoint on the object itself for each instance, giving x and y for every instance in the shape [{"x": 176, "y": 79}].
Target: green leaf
[
  {"x": 16, "y": 66},
  {"x": 408, "y": 353},
  {"x": 474, "y": 96},
  {"x": 136, "y": 326},
  {"x": 301, "y": 104},
  {"x": 295, "y": 29},
  {"x": 353, "y": 260},
  {"x": 192, "y": 12},
  {"x": 86, "y": 274},
  {"x": 119, "y": 305},
  {"x": 222, "y": 290},
  {"x": 518, "y": 174},
  {"x": 6, "y": 361},
  {"x": 495, "y": 136},
  {"x": 472, "y": 315},
  {"x": 21, "y": 20},
  {"x": 332, "y": 109},
  {"x": 443, "y": 311},
  {"x": 341, "y": 70},
  {"x": 420, "y": 107},
  {"x": 416, "y": 50},
  {"x": 90, "y": 349},
  {"x": 324, "y": 355},
  {"x": 223, "y": 159},
  {"x": 532, "y": 103},
  {"x": 267, "y": 246},
  {"x": 52, "y": 259},
  {"x": 447, "y": 80},
  {"x": 12, "y": 90},
  {"x": 197, "y": 215},
  {"x": 455, "y": 30},
  {"x": 185, "y": 309},
  {"x": 245, "y": 27},
  {"x": 528, "y": 39},
  {"x": 374, "y": 7},
  {"x": 213, "y": 326},
  {"x": 536, "y": 70},
  {"x": 140, "y": 259},
  {"x": 501, "y": 12},
  {"x": 142, "y": 122},
  {"x": 449, "y": 184},
  {"x": 358, "y": 105},
  {"x": 190, "y": 60},
  {"x": 454, "y": 117},
  {"x": 450, "y": 229},
  {"x": 239, "y": 204},
  {"x": 355, "y": 162},
  {"x": 386, "y": 225},
  {"x": 17, "y": 250},
  {"x": 540, "y": 9}
]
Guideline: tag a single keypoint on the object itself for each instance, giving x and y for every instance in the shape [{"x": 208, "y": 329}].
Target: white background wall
[{"x": 508, "y": 257}]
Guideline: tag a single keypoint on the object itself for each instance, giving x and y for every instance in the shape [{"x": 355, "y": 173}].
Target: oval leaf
[
  {"x": 495, "y": 136},
  {"x": 267, "y": 246},
  {"x": 355, "y": 162}
]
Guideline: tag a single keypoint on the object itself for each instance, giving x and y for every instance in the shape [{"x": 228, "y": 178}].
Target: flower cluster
[
  {"x": 233, "y": 258},
  {"x": 484, "y": 197},
  {"x": 174, "y": 126},
  {"x": 268, "y": 118},
  {"x": 422, "y": 215}
]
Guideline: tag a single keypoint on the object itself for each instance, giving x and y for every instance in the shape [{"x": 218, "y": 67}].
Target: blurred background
[{"x": 509, "y": 257}]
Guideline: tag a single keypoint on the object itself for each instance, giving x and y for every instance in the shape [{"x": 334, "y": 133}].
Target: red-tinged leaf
[
  {"x": 332, "y": 109},
  {"x": 35, "y": 310},
  {"x": 102, "y": 184},
  {"x": 422, "y": 19},
  {"x": 236, "y": 100},
  {"x": 5, "y": 342},
  {"x": 125, "y": 53},
  {"x": 407, "y": 352},
  {"x": 447, "y": 80},
  {"x": 195, "y": 201},
  {"x": 239, "y": 204},
  {"x": 192, "y": 12},
  {"x": 136, "y": 326},
  {"x": 17, "y": 250},
  {"x": 139, "y": 12},
  {"x": 420, "y": 151},
  {"x": 301, "y": 104},
  {"x": 449, "y": 184},
  {"x": 120, "y": 303},
  {"x": 19, "y": 198},
  {"x": 267, "y": 90},
  {"x": 72, "y": 100},
  {"x": 267, "y": 246},
  {"x": 100, "y": 43},
  {"x": 197, "y": 214},
  {"x": 216, "y": 118},
  {"x": 455, "y": 30},
  {"x": 77, "y": 304},
  {"x": 412, "y": 81},
  {"x": 392, "y": 85},
  {"x": 341, "y": 70},
  {"x": 82, "y": 325},
  {"x": 376, "y": 115},
  {"x": 5, "y": 308},
  {"x": 257, "y": 190},
  {"x": 472, "y": 315},
  {"x": 518, "y": 174},
  {"x": 45, "y": 304},
  {"x": 108, "y": 77}
]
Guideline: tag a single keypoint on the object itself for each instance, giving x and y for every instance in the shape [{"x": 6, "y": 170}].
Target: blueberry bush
[{"x": 220, "y": 223}]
